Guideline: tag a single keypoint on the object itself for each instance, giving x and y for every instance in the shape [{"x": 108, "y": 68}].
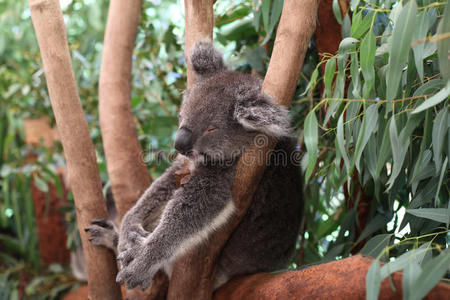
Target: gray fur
[{"x": 223, "y": 112}]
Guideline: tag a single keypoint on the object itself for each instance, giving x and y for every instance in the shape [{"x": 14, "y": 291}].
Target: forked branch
[{"x": 193, "y": 274}]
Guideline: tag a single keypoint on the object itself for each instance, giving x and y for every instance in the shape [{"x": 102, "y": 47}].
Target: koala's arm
[
  {"x": 193, "y": 213},
  {"x": 148, "y": 208}
]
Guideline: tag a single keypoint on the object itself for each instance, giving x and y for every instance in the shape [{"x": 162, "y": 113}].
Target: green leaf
[
  {"x": 399, "y": 45},
  {"x": 360, "y": 25},
  {"x": 376, "y": 245},
  {"x": 440, "y": 129},
  {"x": 435, "y": 214},
  {"x": 311, "y": 82},
  {"x": 410, "y": 275},
  {"x": 435, "y": 99},
  {"x": 265, "y": 10},
  {"x": 401, "y": 262},
  {"x": 341, "y": 142},
  {"x": 40, "y": 184},
  {"x": 354, "y": 71},
  {"x": 441, "y": 178},
  {"x": 375, "y": 224},
  {"x": 275, "y": 14},
  {"x": 443, "y": 45},
  {"x": 431, "y": 274},
  {"x": 346, "y": 26},
  {"x": 385, "y": 149},
  {"x": 330, "y": 69},
  {"x": 311, "y": 142},
  {"x": 367, "y": 56},
  {"x": 373, "y": 281},
  {"x": 399, "y": 149},
  {"x": 421, "y": 33},
  {"x": 337, "y": 11},
  {"x": 368, "y": 126}
]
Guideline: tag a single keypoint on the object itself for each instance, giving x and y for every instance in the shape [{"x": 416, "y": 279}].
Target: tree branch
[
  {"x": 126, "y": 168},
  {"x": 341, "y": 279},
  {"x": 82, "y": 167},
  {"x": 193, "y": 275}
]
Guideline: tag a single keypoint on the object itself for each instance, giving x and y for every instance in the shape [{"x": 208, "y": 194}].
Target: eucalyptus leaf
[
  {"x": 443, "y": 45},
  {"x": 376, "y": 245},
  {"x": 341, "y": 142},
  {"x": 420, "y": 33},
  {"x": 399, "y": 149},
  {"x": 431, "y": 274},
  {"x": 368, "y": 126},
  {"x": 373, "y": 281},
  {"x": 400, "y": 42},
  {"x": 435, "y": 99},
  {"x": 311, "y": 142},
  {"x": 440, "y": 129},
  {"x": 367, "y": 54},
  {"x": 410, "y": 274},
  {"x": 436, "y": 214}
]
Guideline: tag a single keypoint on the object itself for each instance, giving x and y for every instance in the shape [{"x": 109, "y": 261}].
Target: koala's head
[{"x": 224, "y": 111}]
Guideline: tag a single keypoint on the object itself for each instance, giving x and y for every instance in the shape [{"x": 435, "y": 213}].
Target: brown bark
[
  {"x": 199, "y": 18},
  {"x": 328, "y": 31},
  {"x": 126, "y": 168},
  {"x": 82, "y": 167},
  {"x": 193, "y": 274},
  {"x": 342, "y": 279}
]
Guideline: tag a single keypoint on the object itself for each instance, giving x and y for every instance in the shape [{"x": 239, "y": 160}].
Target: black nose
[{"x": 183, "y": 141}]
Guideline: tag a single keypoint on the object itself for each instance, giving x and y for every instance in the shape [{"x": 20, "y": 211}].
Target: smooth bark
[
  {"x": 341, "y": 279},
  {"x": 199, "y": 18},
  {"x": 79, "y": 152},
  {"x": 126, "y": 168},
  {"x": 125, "y": 161},
  {"x": 193, "y": 275}
]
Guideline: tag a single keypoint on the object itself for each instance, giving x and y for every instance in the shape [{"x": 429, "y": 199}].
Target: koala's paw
[
  {"x": 103, "y": 233},
  {"x": 137, "y": 266}
]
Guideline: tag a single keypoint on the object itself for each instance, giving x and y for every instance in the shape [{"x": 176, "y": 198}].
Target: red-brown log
[{"x": 341, "y": 279}]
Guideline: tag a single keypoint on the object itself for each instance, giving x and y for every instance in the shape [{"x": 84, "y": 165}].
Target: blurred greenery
[{"x": 368, "y": 136}]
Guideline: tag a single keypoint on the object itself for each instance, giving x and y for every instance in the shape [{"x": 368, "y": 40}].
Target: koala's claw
[
  {"x": 102, "y": 233},
  {"x": 103, "y": 223}
]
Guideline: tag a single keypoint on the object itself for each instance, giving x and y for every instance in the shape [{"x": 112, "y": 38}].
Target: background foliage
[{"x": 373, "y": 128}]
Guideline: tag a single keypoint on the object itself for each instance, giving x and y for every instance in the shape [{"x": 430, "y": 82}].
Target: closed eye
[{"x": 209, "y": 130}]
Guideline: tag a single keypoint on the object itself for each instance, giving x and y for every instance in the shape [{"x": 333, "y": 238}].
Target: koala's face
[{"x": 224, "y": 111}]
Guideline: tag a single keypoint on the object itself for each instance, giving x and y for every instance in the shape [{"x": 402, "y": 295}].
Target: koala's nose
[{"x": 183, "y": 141}]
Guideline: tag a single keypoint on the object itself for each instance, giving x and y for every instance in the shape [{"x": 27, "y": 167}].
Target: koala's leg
[
  {"x": 195, "y": 211},
  {"x": 103, "y": 233},
  {"x": 146, "y": 212}
]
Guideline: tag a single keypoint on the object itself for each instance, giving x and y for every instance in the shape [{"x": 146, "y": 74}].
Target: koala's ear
[
  {"x": 259, "y": 113},
  {"x": 206, "y": 60}
]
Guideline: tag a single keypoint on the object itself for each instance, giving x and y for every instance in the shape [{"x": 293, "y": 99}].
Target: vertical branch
[
  {"x": 78, "y": 148},
  {"x": 193, "y": 275},
  {"x": 199, "y": 18},
  {"x": 126, "y": 169}
]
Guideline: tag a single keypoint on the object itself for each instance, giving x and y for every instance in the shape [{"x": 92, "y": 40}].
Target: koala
[{"x": 221, "y": 114}]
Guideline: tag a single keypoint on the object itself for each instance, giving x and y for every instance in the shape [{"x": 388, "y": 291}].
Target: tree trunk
[
  {"x": 82, "y": 167},
  {"x": 193, "y": 275},
  {"x": 342, "y": 279},
  {"x": 199, "y": 18},
  {"x": 126, "y": 168}
]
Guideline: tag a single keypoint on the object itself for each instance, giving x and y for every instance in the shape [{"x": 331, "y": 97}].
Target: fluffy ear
[
  {"x": 206, "y": 60},
  {"x": 259, "y": 113}
]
